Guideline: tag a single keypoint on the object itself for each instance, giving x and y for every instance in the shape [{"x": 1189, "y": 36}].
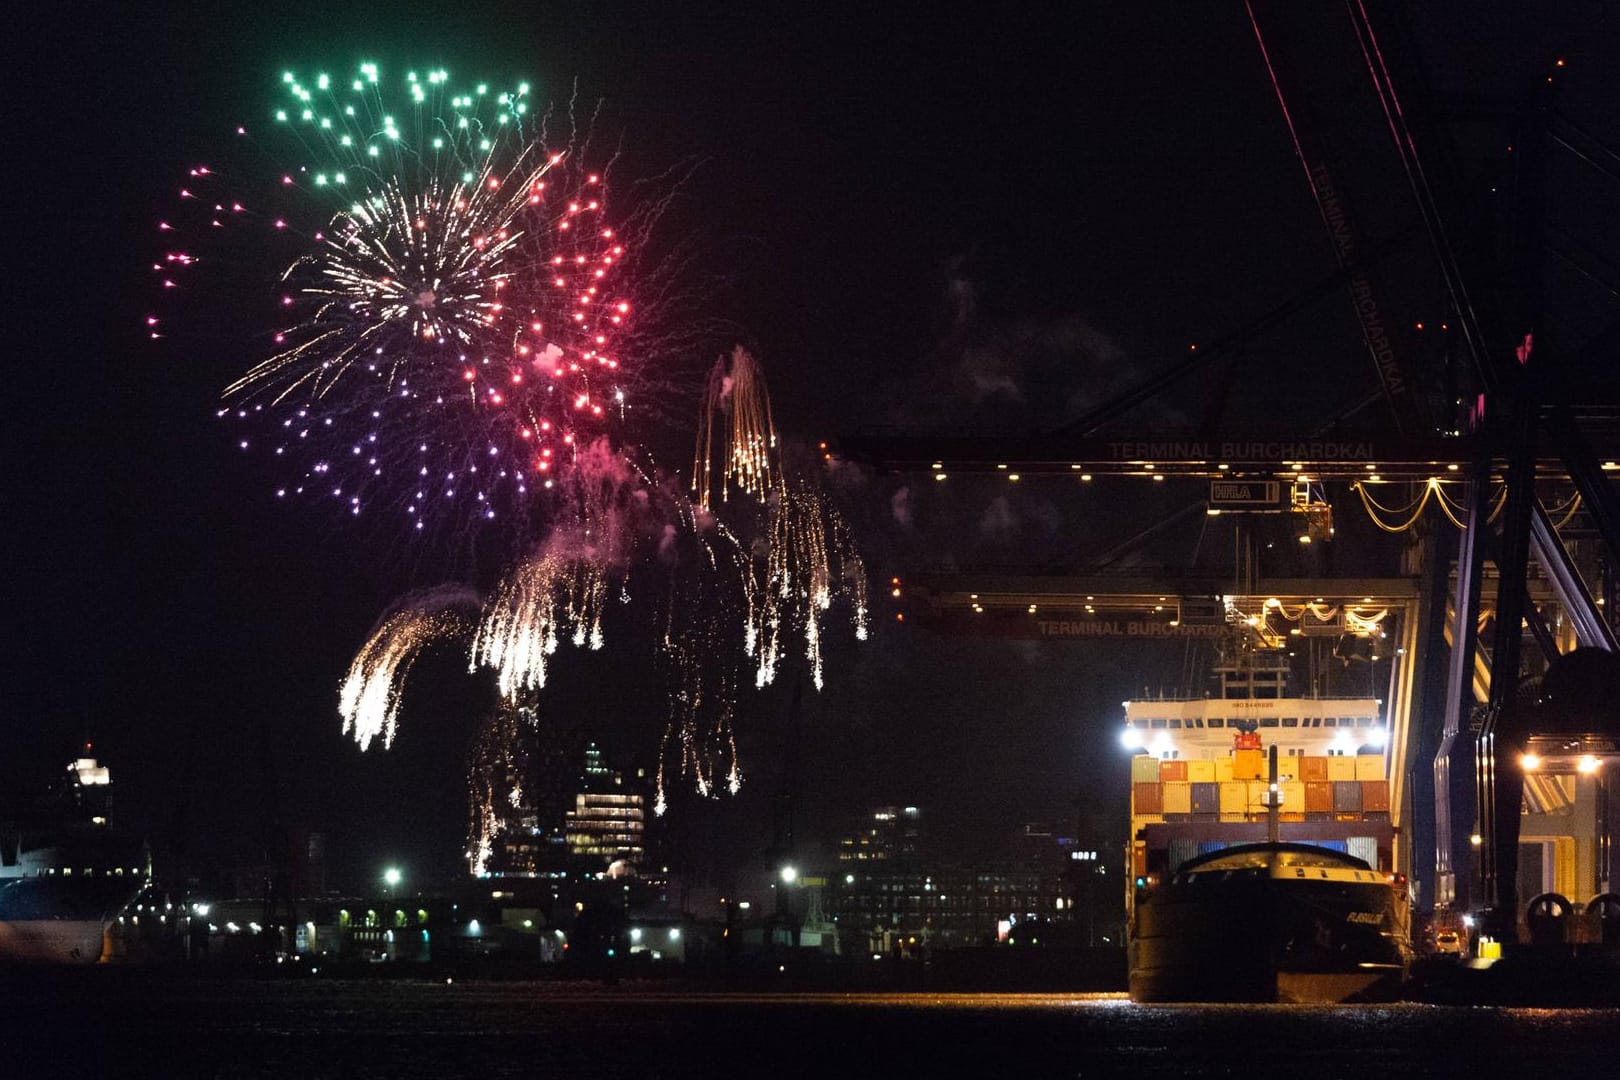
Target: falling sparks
[
  {"x": 370, "y": 696},
  {"x": 738, "y": 394},
  {"x": 445, "y": 324},
  {"x": 541, "y": 603}
]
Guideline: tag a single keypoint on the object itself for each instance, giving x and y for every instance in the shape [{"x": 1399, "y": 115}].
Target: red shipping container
[
  {"x": 1147, "y": 799},
  {"x": 1319, "y": 796},
  {"x": 1313, "y": 768},
  {"x": 1172, "y": 772},
  {"x": 1375, "y": 795}
]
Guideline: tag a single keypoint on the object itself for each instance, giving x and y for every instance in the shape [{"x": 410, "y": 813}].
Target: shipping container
[
  {"x": 1347, "y": 797},
  {"x": 1177, "y": 796},
  {"x": 1223, "y": 770},
  {"x": 1375, "y": 795},
  {"x": 1234, "y": 797},
  {"x": 1144, "y": 769},
  {"x": 1318, "y": 815},
  {"x": 1206, "y": 797},
  {"x": 1182, "y": 848},
  {"x": 1341, "y": 768},
  {"x": 1287, "y": 816},
  {"x": 1318, "y": 797},
  {"x": 1172, "y": 770},
  {"x": 1369, "y": 766},
  {"x": 1146, "y": 799},
  {"x": 1293, "y": 797},
  {"x": 1248, "y": 764},
  {"x": 1230, "y": 818},
  {"x": 1257, "y": 796},
  {"x": 1312, "y": 767},
  {"x": 1201, "y": 771}
]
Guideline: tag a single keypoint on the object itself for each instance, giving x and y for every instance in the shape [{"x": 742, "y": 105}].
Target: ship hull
[
  {"x": 52, "y": 941},
  {"x": 1254, "y": 938}
]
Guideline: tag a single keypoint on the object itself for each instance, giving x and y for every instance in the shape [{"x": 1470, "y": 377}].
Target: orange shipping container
[
  {"x": 1318, "y": 796},
  {"x": 1248, "y": 764},
  {"x": 1172, "y": 770},
  {"x": 1146, "y": 799},
  {"x": 1374, "y": 795},
  {"x": 1313, "y": 768}
]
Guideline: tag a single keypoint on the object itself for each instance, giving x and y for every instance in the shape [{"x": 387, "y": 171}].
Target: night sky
[{"x": 922, "y": 220}]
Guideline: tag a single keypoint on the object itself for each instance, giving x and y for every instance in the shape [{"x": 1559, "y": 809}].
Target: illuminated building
[
  {"x": 889, "y": 898},
  {"x": 607, "y": 820},
  {"x": 891, "y": 835}
]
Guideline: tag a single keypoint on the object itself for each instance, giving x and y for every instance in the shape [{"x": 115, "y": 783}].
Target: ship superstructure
[{"x": 65, "y": 873}]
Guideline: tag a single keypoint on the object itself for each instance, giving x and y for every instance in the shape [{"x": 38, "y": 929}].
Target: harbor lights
[
  {"x": 391, "y": 878},
  {"x": 1529, "y": 762},
  {"x": 790, "y": 874}
]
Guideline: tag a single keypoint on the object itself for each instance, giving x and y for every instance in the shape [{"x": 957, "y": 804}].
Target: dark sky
[{"x": 925, "y": 218}]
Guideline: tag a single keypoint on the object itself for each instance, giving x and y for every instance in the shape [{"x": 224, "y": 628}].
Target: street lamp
[
  {"x": 789, "y": 875},
  {"x": 392, "y": 878}
]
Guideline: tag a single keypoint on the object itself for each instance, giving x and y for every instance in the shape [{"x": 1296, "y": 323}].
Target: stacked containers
[
  {"x": 1257, "y": 792},
  {"x": 1147, "y": 800},
  {"x": 1206, "y": 797},
  {"x": 1342, "y": 768},
  {"x": 1293, "y": 804},
  {"x": 1144, "y": 769},
  {"x": 1313, "y": 768},
  {"x": 1369, "y": 766},
  {"x": 1176, "y": 797},
  {"x": 1318, "y": 800},
  {"x": 1201, "y": 771},
  {"x": 1375, "y": 797},
  {"x": 1172, "y": 770},
  {"x": 1248, "y": 764},
  {"x": 1234, "y": 798},
  {"x": 1347, "y": 798}
]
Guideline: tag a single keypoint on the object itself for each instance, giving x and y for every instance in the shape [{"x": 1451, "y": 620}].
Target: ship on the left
[{"x": 67, "y": 875}]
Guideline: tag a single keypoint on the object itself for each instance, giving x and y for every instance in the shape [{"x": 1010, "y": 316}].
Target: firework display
[
  {"x": 448, "y": 295},
  {"x": 434, "y": 314}
]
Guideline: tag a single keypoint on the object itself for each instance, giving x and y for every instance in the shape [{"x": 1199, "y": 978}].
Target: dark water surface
[{"x": 112, "y": 1023}]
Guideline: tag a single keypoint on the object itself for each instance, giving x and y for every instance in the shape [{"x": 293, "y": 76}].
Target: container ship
[
  {"x": 65, "y": 875},
  {"x": 1261, "y": 847}
]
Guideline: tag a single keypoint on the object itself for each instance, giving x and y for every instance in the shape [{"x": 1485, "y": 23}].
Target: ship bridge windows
[
  {"x": 1217, "y": 722},
  {"x": 1290, "y": 721},
  {"x": 1159, "y": 722},
  {"x": 1268, "y": 721}
]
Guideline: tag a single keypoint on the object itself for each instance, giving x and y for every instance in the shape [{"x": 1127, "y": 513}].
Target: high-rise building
[
  {"x": 891, "y": 835},
  {"x": 608, "y": 818}
]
